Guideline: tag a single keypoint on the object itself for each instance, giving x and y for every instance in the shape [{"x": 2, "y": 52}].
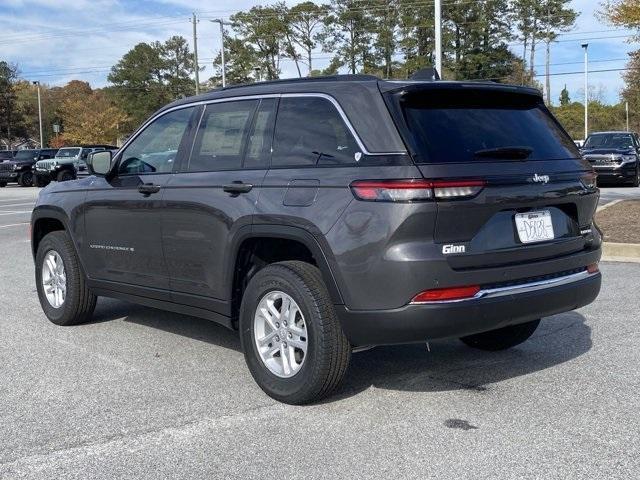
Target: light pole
[
  {"x": 586, "y": 90},
  {"x": 224, "y": 68},
  {"x": 438, "y": 39},
  {"x": 39, "y": 114}
]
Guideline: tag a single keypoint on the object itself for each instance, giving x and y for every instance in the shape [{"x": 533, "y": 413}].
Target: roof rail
[{"x": 326, "y": 78}]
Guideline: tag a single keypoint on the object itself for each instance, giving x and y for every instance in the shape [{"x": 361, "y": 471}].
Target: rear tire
[
  {"x": 77, "y": 303},
  {"x": 65, "y": 176},
  {"x": 26, "y": 179},
  {"x": 322, "y": 353},
  {"x": 502, "y": 338}
]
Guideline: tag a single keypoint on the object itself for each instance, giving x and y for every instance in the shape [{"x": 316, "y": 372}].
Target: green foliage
[
  {"x": 564, "y": 97},
  {"x": 150, "y": 75},
  {"x": 11, "y": 124},
  {"x": 305, "y": 21},
  {"x": 240, "y": 59},
  {"x": 264, "y": 30},
  {"x": 601, "y": 117}
]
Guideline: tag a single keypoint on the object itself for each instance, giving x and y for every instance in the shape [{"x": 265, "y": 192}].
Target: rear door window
[
  {"x": 222, "y": 136},
  {"x": 309, "y": 132},
  {"x": 477, "y": 125},
  {"x": 259, "y": 142}
]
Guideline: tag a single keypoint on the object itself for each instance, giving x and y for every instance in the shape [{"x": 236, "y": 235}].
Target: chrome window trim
[
  {"x": 325, "y": 96},
  {"x": 516, "y": 289}
]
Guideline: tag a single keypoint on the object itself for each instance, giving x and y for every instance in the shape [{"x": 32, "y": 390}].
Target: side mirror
[{"x": 99, "y": 163}]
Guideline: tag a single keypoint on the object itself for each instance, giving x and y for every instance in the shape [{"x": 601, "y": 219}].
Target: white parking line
[
  {"x": 16, "y": 204},
  {"x": 14, "y": 225},
  {"x": 15, "y": 212}
]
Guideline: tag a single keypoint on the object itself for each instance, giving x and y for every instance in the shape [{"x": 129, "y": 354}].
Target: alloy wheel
[
  {"x": 280, "y": 333},
  {"x": 54, "y": 279}
]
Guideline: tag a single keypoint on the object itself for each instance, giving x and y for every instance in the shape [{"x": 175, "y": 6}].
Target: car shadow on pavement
[
  {"x": 185, "y": 325},
  {"x": 450, "y": 365}
]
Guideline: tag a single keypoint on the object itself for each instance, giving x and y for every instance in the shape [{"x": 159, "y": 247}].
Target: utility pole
[
  {"x": 438, "y": 25},
  {"x": 40, "y": 114},
  {"x": 224, "y": 67},
  {"x": 548, "y": 82},
  {"x": 586, "y": 90},
  {"x": 626, "y": 108},
  {"x": 194, "y": 20}
]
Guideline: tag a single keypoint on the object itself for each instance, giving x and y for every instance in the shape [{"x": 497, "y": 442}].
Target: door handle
[
  {"x": 148, "y": 188},
  {"x": 237, "y": 187}
]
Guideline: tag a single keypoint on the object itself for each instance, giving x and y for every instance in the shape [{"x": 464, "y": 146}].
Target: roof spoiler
[{"x": 429, "y": 74}]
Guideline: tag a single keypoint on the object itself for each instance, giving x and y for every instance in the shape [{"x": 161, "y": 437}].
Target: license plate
[{"x": 534, "y": 226}]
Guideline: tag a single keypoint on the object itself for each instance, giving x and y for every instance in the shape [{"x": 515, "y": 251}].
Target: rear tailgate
[{"x": 507, "y": 139}]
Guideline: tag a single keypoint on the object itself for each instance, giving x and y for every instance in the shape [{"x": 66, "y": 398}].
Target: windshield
[
  {"x": 447, "y": 126},
  {"x": 67, "y": 152},
  {"x": 618, "y": 141},
  {"x": 26, "y": 155}
]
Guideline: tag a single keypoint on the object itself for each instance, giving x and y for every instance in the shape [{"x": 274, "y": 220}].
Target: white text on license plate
[{"x": 534, "y": 226}]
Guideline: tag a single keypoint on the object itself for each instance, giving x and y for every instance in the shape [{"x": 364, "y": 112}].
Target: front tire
[
  {"x": 40, "y": 182},
  {"x": 3, "y": 184},
  {"x": 26, "y": 179},
  {"x": 291, "y": 337},
  {"x": 65, "y": 176},
  {"x": 636, "y": 181},
  {"x": 62, "y": 288},
  {"x": 502, "y": 338}
]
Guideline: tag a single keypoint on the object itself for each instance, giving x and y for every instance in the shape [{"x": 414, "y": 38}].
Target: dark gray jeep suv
[{"x": 321, "y": 215}]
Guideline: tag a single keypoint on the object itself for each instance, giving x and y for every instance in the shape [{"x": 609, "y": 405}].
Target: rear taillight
[
  {"x": 414, "y": 189},
  {"x": 446, "y": 294},
  {"x": 589, "y": 180}
]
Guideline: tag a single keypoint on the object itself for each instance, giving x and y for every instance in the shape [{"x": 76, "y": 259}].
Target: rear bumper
[{"x": 422, "y": 322}]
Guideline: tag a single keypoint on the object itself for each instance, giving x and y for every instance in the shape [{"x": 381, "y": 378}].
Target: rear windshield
[
  {"x": 470, "y": 126},
  {"x": 622, "y": 141},
  {"x": 67, "y": 152}
]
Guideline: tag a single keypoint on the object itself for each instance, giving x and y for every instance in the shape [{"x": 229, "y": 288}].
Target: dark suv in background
[
  {"x": 614, "y": 156},
  {"x": 322, "y": 215},
  {"x": 6, "y": 155},
  {"x": 19, "y": 170}
]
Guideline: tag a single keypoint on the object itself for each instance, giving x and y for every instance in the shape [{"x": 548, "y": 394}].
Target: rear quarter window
[
  {"x": 311, "y": 132},
  {"x": 457, "y": 126}
]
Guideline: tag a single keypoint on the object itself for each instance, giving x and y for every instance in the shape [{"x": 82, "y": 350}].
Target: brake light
[
  {"x": 589, "y": 180},
  {"x": 414, "y": 189},
  {"x": 444, "y": 294}
]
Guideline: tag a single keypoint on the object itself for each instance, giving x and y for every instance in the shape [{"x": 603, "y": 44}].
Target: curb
[
  {"x": 607, "y": 205},
  {"x": 621, "y": 252}
]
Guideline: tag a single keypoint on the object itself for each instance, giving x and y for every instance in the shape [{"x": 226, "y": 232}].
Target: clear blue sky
[{"x": 55, "y": 41}]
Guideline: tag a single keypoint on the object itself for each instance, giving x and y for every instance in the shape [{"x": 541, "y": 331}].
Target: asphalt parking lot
[{"x": 141, "y": 393}]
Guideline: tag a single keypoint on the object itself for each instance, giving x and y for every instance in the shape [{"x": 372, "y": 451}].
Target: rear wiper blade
[{"x": 507, "y": 153}]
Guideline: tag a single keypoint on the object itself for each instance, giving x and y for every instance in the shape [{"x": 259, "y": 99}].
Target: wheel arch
[
  {"x": 45, "y": 220},
  {"x": 298, "y": 242}
]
